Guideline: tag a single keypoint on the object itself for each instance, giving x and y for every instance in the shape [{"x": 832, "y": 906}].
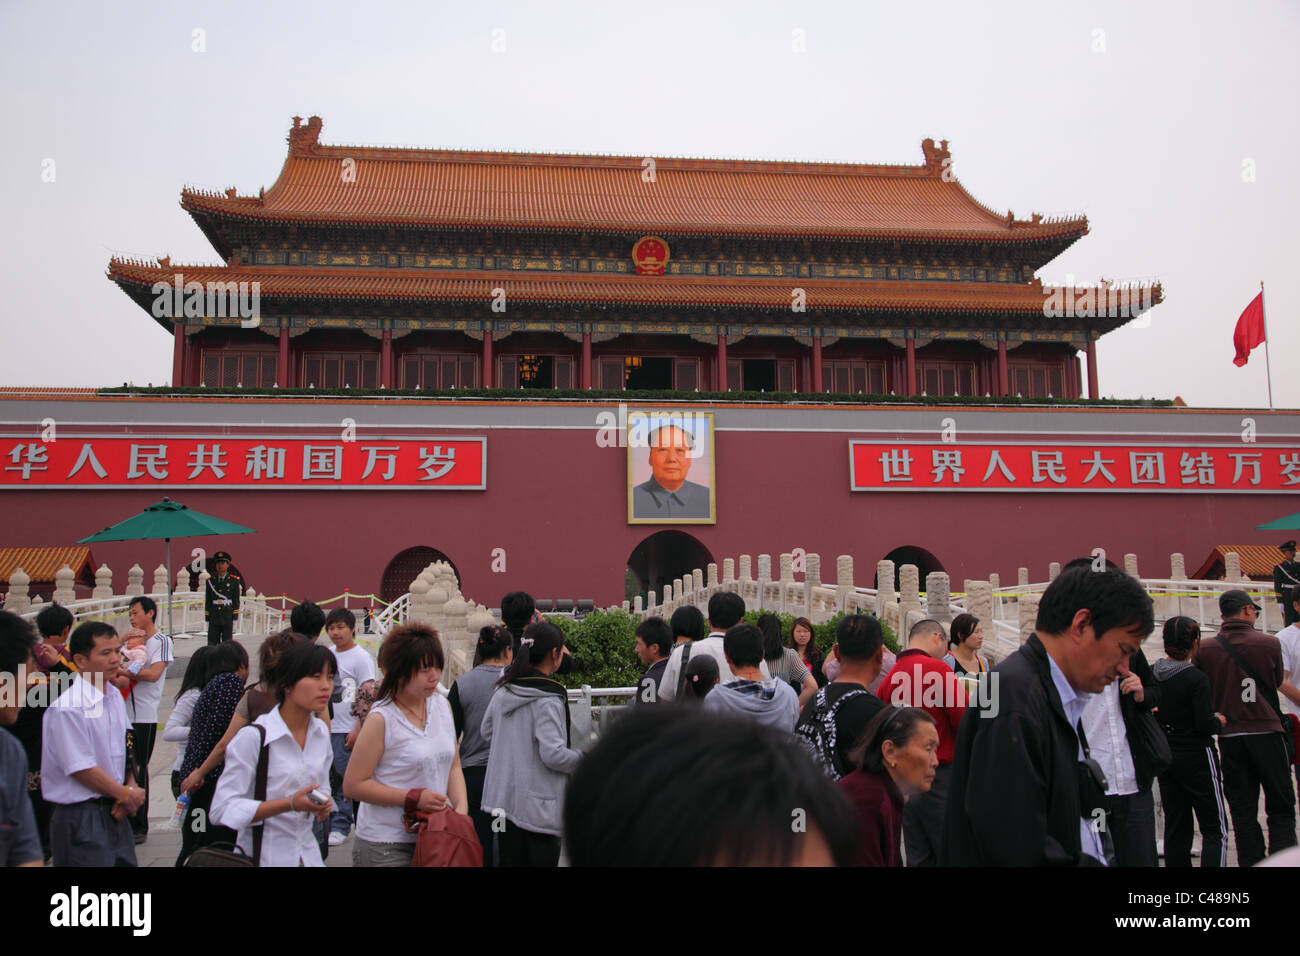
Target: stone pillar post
[
  {"x": 885, "y": 593},
  {"x": 1022, "y": 577},
  {"x": 159, "y": 580},
  {"x": 728, "y": 574},
  {"x": 1028, "y": 605},
  {"x": 1053, "y": 570},
  {"x": 979, "y": 602},
  {"x": 843, "y": 579},
  {"x": 1177, "y": 569},
  {"x": 910, "y": 597},
  {"x": 17, "y": 601},
  {"x": 103, "y": 583},
  {"x": 994, "y": 581},
  {"x": 134, "y": 581},
  {"x": 1131, "y": 565},
  {"x": 713, "y": 575},
  {"x": 1232, "y": 566},
  {"x": 65, "y": 590},
  {"x": 938, "y": 597}
]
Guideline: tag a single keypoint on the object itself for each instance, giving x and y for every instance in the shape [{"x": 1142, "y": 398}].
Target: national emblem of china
[{"x": 650, "y": 255}]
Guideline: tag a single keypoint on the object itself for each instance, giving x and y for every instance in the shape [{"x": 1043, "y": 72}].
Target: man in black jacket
[{"x": 1022, "y": 793}]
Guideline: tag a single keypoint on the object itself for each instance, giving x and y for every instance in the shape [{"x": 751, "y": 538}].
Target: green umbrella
[
  {"x": 167, "y": 519},
  {"x": 1289, "y": 523}
]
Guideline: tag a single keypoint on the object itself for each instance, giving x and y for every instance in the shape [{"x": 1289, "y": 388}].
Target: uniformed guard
[
  {"x": 221, "y": 602},
  {"x": 1286, "y": 574}
]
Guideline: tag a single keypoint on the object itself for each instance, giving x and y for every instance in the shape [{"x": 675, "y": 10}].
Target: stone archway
[
  {"x": 911, "y": 554},
  {"x": 406, "y": 567},
  {"x": 661, "y": 557}
]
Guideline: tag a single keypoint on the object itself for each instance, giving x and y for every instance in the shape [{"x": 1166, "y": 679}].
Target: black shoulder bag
[{"x": 226, "y": 854}]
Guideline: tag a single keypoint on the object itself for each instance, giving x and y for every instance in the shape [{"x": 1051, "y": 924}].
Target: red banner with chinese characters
[
  {"x": 442, "y": 463},
  {"x": 910, "y": 466}
]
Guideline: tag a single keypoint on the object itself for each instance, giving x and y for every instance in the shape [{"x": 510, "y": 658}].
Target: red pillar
[
  {"x": 178, "y": 356},
  {"x": 193, "y": 372},
  {"x": 817, "y": 363},
  {"x": 386, "y": 358},
  {"x": 720, "y": 379},
  {"x": 283, "y": 376},
  {"x": 1093, "y": 391},
  {"x": 488, "y": 361},
  {"x": 910, "y": 374},
  {"x": 584, "y": 374},
  {"x": 1004, "y": 380}
]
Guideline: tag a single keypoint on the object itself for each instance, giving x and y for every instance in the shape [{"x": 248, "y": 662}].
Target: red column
[
  {"x": 386, "y": 358},
  {"x": 178, "y": 356},
  {"x": 283, "y": 376},
  {"x": 910, "y": 374},
  {"x": 1093, "y": 391},
  {"x": 720, "y": 382},
  {"x": 193, "y": 372},
  {"x": 488, "y": 361},
  {"x": 817, "y": 363},
  {"x": 584, "y": 374},
  {"x": 1004, "y": 381}
]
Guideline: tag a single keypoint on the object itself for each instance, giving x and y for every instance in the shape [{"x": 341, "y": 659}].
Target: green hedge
[
  {"x": 644, "y": 396},
  {"x": 602, "y": 645}
]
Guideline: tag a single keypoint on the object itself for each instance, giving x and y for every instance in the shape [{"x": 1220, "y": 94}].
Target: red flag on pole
[{"x": 1250, "y": 330}]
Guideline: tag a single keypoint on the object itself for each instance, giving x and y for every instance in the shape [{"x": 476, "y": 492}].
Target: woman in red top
[{"x": 897, "y": 760}]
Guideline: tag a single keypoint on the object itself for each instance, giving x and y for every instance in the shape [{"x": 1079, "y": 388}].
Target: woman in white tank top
[{"x": 405, "y": 755}]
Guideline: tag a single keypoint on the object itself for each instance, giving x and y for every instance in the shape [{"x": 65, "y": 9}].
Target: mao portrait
[{"x": 670, "y": 469}]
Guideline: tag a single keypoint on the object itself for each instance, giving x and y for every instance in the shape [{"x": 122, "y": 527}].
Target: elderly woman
[{"x": 897, "y": 759}]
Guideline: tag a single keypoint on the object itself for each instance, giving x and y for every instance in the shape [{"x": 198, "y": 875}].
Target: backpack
[{"x": 818, "y": 734}]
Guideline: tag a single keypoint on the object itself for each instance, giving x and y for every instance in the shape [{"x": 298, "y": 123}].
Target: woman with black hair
[
  {"x": 469, "y": 698},
  {"x": 177, "y": 729},
  {"x": 405, "y": 759},
  {"x": 1193, "y": 782},
  {"x": 803, "y": 640},
  {"x": 784, "y": 663},
  {"x": 299, "y": 757},
  {"x": 227, "y": 669},
  {"x": 897, "y": 758},
  {"x": 529, "y": 760},
  {"x": 966, "y": 637}
]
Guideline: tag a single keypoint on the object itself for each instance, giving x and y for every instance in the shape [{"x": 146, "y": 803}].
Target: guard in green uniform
[
  {"x": 1286, "y": 575},
  {"x": 221, "y": 602}
]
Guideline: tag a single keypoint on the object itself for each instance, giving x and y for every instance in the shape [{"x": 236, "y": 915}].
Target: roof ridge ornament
[
  {"x": 305, "y": 139},
  {"x": 937, "y": 158}
]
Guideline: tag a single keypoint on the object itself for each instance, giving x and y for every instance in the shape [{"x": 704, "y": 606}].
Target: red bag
[{"x": 443, "y": 838}]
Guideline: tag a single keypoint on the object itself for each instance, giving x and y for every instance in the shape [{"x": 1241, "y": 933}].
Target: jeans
[{"x": 344, "y": 814}]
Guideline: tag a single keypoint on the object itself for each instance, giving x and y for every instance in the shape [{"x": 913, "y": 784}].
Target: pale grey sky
[{"x": 1147, "y": 118}]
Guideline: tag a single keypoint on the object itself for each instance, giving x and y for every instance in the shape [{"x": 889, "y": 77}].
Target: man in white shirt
[
  {"x": 356, "y": 666},
  {"x": 144, "y": 697},
  {"x": 84, "y": 770},
  {"x": 725, "y": 611}
]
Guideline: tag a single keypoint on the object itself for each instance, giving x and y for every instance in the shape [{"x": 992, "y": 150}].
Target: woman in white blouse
[
  {"x": 178, "y": 721},
  {"x": 299, "y": 762},
  {"x": 405, "y": 757}
]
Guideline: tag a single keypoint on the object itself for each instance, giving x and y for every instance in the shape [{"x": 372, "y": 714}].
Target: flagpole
[{"x": 1268, "y": 372}]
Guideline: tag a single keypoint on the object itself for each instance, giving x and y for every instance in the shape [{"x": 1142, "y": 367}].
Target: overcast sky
[{"x": 1173, "y": 127}]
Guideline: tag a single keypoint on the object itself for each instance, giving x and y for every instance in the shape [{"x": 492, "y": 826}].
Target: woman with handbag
[
  {"x": 227, "y": 669},
  {"x": 295, "y": 788},
  {"x": 404, "y": 762},
  {"x": 529, "y": 760}
]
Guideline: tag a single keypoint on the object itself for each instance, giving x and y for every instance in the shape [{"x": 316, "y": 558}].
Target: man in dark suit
[
  {"x": 667, "y": 494},
  {"x": 1025, "y": 791}
]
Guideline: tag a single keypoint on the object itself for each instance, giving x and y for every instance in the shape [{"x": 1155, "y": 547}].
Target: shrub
[{"x": 602, "y": 644}]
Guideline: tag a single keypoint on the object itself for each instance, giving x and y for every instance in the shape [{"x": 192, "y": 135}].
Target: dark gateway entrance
[
  {"x": 406, "y": 567},
  {"x": 664, "y": 556}
]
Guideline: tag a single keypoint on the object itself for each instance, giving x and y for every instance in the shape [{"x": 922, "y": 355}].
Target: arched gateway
[
  {"x": 406, "y": 567},
  {"x": 663, "y": 556}
]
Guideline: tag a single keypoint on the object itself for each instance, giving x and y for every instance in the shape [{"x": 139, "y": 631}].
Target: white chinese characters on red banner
[
  {"x": 909, "y": 466},
  {"x": 446, "y": 464}
]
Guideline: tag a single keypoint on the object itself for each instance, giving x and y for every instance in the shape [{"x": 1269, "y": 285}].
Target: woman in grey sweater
[
  {"x": 529, "y": 760},
  {"x": 469, "y": 698}
]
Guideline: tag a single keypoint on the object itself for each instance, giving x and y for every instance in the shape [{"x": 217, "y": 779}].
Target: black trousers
[
  {"x": 474, "y": 777},
  {"x": 1250, "y": 762},
  {"x": 1194, "y": 784},
  {"x": 1133, "y": 828},
  {"x": 220, "y": 632},
  {"x": 146, "y": 735},
  {"x": 520, "y": 847},
  {"x": 85, "y": 834},
  {"x": 923, "y": 820}
]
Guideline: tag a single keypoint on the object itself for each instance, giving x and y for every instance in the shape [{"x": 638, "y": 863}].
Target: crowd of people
[{"x": 744, "y": 744}]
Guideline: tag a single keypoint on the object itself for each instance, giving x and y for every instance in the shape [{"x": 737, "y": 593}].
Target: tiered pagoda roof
[{"x": 505, "y": 191}]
